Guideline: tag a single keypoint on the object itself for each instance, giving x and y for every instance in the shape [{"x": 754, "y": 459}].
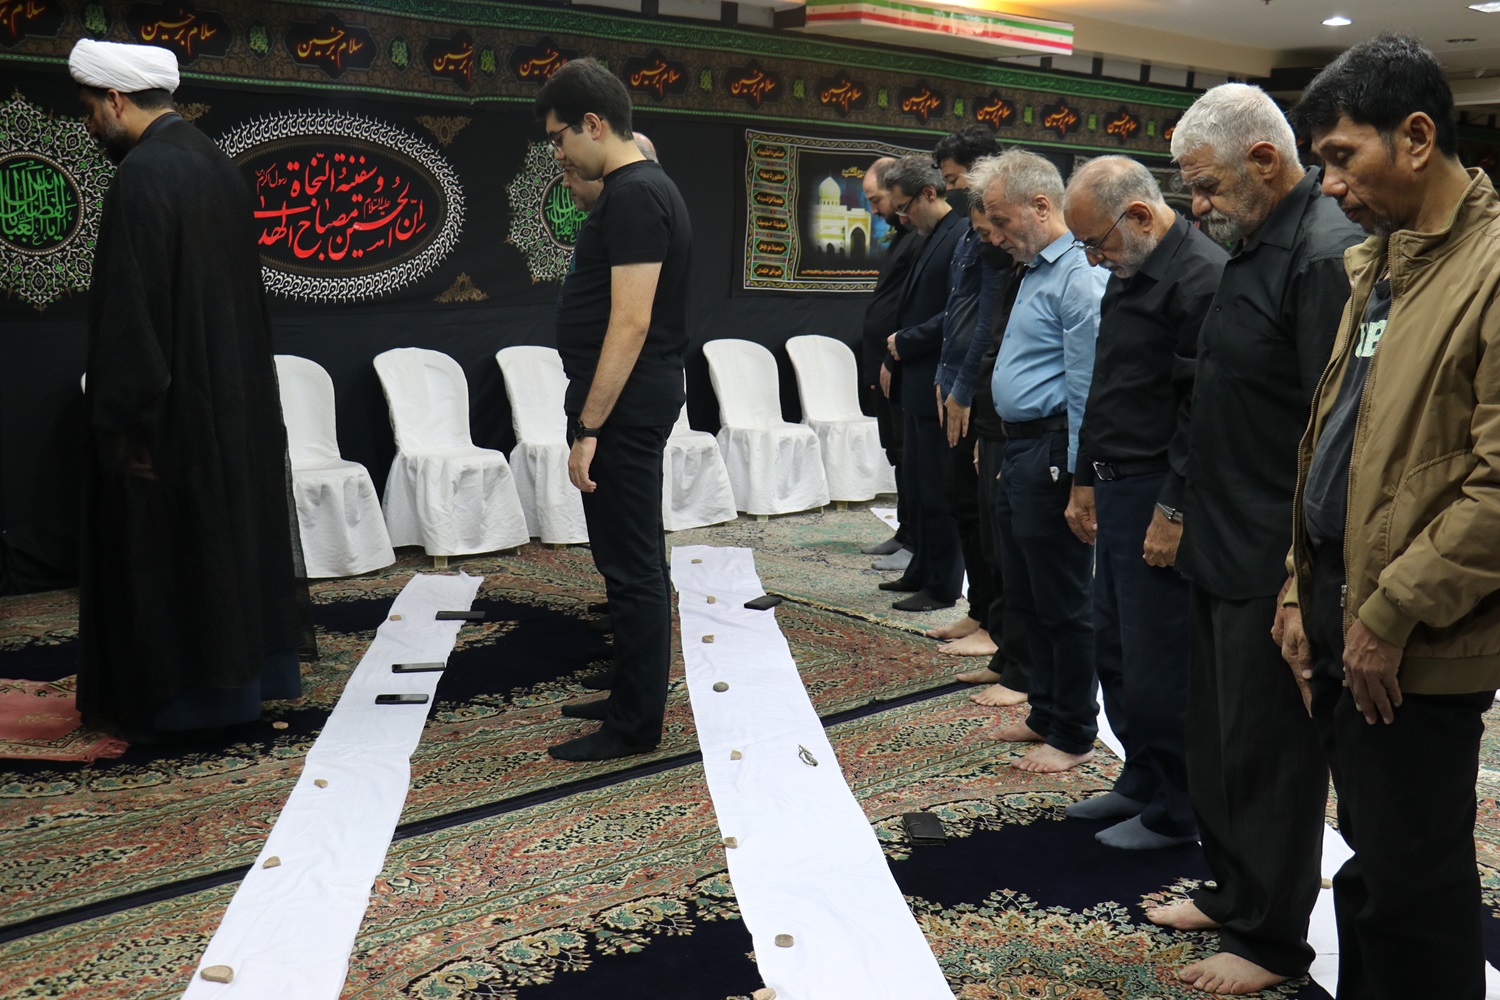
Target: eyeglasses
[
  {"x": 904, "y": 210},
  {"x": 556, "y": 137},
  {"x": 1096, "y": 247}
]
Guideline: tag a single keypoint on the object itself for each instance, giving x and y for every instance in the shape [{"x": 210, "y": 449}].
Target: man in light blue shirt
[{"x": 1040, "y": 385}]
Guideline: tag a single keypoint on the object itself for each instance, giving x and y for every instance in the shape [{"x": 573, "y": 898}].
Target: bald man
[{"x": 1128, "y": 486}]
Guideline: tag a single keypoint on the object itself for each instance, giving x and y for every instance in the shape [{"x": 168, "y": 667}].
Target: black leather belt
[
  {"x": 1110, "y": 471},
  {"x": 1034, "y": 428}
]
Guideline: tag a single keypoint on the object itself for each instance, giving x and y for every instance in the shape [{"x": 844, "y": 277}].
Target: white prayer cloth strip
[
  {"x": 807, "y": 862},
  {"x": 888, "y": 515},
  {"x": 289, "y": 931}
]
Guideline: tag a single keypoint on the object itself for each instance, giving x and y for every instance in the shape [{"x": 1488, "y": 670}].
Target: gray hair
[
  {"x": 1022, "y": 175},
  {"x": 1228, "y": 120},
  {"x": 1114, "y": 183},
  {"x": 913, "y": 173},
  {"x": 646, "y": 146}
]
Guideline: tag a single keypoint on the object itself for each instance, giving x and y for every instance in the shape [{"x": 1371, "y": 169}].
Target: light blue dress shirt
[{"x": 1046, "y": 360}]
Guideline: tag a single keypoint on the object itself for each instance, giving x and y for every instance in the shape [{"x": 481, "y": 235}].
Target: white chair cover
[
  {"x": 695, "y": 488},
  {"x": 535, "y": 385},
  {"x": 828, "y": 382},
  {"x": 774, "y": 466},
  {"x": 338, "y": 511},
  {"x": 443, "y": 493}
]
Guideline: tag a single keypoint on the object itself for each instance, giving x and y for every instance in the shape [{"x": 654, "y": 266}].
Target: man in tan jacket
[{"x": 1391, "y": 620}]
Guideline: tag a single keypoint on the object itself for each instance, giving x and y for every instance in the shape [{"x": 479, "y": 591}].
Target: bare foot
[
  {"x": 964, "y": 626},
  {"x": 997, "y": 696},
  {"x": 1050, "y": 760},
  {"x": 976, "y": 643},
  {"x": 1016, "y": 732},
  {"x": 1228, "y": 974},
  {"x": 984, "y": 675},
  {"x": 1183, "y": 916}
]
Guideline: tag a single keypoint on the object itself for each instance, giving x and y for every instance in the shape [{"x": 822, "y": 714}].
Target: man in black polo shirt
[
  {"x": 1132, "y": 458},
  {"x": 1255, "y": 770},
  {"x": 621, "y": 331}
]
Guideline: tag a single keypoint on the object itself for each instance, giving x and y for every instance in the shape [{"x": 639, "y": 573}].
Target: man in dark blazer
[{"x": 935, "y": 575}]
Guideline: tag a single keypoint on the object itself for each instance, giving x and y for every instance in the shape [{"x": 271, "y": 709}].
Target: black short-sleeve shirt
[{"x": 640, "y": 218}]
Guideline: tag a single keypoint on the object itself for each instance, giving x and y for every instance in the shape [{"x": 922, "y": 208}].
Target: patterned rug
[
  {"x": 815, "y": 558},
  {"x": 620, "y": 891},
  {"x": 75, "y": 835},
  {"x": 39, "y": 721}
]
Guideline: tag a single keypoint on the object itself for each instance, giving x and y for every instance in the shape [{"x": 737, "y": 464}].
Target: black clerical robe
[{"x": 190, "y": 610}]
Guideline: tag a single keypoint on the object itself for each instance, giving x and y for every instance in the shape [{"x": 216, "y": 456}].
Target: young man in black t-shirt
[{"x": 621, "y": 331}]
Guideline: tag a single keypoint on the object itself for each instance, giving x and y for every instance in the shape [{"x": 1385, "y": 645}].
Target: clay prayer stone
[
  {"x": 783, "y": 940},
  {"x": 712, "y": 599},
  {"x": 321, "y": 782},
  {"x": 395, "y": 618},
  {"x": 279, "y": 725},
  {"x": 697, "y": 560},
  {"x": 272, "y": 862},
  {"x": 735, "y": 755},
  {"x": 721, "y": 686},
  {"x": 708, "y": 638},
  {"x": 764, "y": 993},
  {"x": 217, "y": 973},
  {"x": 731, "y": 842}
]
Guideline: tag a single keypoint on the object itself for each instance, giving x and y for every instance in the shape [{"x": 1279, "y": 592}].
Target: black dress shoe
[
  {"x": 598, "y": 746},
  {"x": 900, "y": 585},
  {"x": 921, "y": 601},
  {"x": 599, "y": 680},
  {"x": 599, "y": 608},
  {"x": 595, "y": 710}
]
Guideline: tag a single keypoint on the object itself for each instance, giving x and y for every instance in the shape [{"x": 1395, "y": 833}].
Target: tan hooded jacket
[{"x": 1422, "y": 539}]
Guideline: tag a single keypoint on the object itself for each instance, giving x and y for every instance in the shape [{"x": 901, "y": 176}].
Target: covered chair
[
  {"x": 443, "y": 493},
  {"x": 695, "y": 488},
  {"x": 535, "y": 385},
  {"x": 774, "y": 466},
  {"x": 338, "y": 511},
  {"x": 828, "y": 382}
]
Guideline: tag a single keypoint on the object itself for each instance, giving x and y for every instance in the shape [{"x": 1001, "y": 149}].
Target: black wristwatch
[{"x": 580, "y": 431}]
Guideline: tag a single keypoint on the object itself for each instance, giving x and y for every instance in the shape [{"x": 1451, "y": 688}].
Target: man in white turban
[
  {"x": 124, "y": 88},
  {"x": 190, "y": 610}
]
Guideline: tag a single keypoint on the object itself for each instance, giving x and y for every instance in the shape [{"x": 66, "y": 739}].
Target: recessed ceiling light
[
  {"x": 1486, "y": 8},
  {"x": 1337, "y": 21}
]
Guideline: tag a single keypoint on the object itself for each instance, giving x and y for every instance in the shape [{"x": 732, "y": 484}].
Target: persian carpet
[
  {"x": 39, "y": 721},
  {"x": 74, "y": 835},
  {"x": 620, "y": 891}
]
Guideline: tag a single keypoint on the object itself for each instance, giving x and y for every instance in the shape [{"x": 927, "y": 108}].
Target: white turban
[{"x": 126, "y": 68}]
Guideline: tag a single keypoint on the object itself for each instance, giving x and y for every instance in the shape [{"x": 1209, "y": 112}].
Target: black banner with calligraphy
[
  {"x": 331, "y": 45},
  {"x": 1060, "y": 119},
  {"x": 536, "y": 63},
  {"x": 451, "y": 59},
  {"x": 656, "y": 75},
  {"x": 753, "y": 84},
  {"x": 182, "y": 28},
  {"x": 1123, "y": 126},
  {"x": 920, "y": 102},
  {"x": 996, "y": 111},
  {"x": 842, "y": 94},
  {"x": 30, "y": 18}
]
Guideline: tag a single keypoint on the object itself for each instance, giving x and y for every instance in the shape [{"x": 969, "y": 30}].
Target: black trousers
[
  {"x": 629, "y": 547},
  {"x": 1047, "y": 572},
  {"x": 1142, "y": 643},
  {"x": 1408, "y": 901},
  {"x": 963, "y": 497},
  {"x": 888, "y": 421},
  {"x": 937, "y": 564},
  {"x": 1012, "y": 659},
  {"x": 1258, "y": 782}
]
